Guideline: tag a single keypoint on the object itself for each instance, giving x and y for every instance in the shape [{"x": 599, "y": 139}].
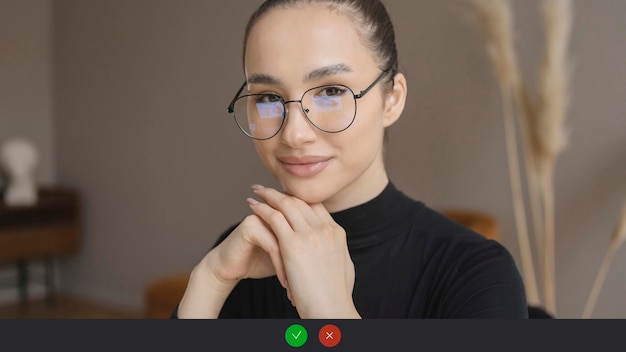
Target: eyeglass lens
[{"x": 329, "y": 108}]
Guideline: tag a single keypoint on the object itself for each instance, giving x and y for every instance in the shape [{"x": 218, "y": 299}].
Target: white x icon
[{"x": 329, "y": 335}]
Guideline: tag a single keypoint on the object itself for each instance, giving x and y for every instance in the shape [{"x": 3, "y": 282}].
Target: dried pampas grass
[
  {"x": 619, "y": 237},
  {"x": 548, "y": 135},
  {"x": 544, "y": 136},
  {"x": 495, "y": 20},
  {"x": 541, "y": 125},
  {"x": 494, "y": 17}
]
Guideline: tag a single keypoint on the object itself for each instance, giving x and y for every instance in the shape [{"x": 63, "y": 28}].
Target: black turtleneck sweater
[{"x": 410, "y": 262}]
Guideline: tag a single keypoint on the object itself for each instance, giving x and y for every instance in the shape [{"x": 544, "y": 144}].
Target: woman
[{"x": 338, "y": 240}]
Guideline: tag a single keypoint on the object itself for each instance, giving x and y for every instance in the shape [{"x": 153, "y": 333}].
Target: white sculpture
[{"x": 19, "y": 158}]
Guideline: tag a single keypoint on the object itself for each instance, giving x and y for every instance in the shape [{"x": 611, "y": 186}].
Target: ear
[{"x": 394, "y": 102}]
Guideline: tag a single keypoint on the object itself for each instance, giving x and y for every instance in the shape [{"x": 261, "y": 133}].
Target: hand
[
  {"x": 250, "y": 251},
  {"x": 314, "y": 252}
]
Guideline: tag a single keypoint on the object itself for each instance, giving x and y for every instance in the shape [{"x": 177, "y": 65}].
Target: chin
[{"x": 309, "y": 193}]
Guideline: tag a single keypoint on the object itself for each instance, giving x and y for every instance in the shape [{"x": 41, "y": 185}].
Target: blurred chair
[
  {"x": 477, "y": 221},
  {"x": 163, "y": 294}
]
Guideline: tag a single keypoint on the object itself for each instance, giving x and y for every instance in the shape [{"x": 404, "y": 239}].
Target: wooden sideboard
[{"x": 43, "y": 232}]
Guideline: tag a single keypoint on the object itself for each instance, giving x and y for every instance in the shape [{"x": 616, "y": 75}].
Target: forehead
[{"x": 304, "y": 38}]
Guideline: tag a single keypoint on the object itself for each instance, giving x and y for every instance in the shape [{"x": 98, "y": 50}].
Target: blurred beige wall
[
  {"x": 26, "y": 74},
  {"x": 141, "y": 88}
]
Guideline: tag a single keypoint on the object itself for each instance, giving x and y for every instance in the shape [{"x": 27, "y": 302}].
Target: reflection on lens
[
  {"x": 330, "y": 108},
  {"x": 269, "y": 110},
  {"x": 327, "y": 104},
  {"x": 259, "y": 116}
]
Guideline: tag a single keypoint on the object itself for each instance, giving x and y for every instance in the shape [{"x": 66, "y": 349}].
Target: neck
[{"x": 369, "y": 185}]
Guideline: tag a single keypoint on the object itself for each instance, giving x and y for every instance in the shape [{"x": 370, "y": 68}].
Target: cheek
[
  {"x": 264, "y": 150},
  {"x": 369, "y": 124},
  {"x": 363, "y": 140}
]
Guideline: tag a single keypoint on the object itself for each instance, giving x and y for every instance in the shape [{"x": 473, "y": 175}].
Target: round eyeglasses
[{"x": 330, "y": 108}]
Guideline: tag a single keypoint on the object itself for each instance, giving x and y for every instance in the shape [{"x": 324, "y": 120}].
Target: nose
[{"x": 297, "y": 130}]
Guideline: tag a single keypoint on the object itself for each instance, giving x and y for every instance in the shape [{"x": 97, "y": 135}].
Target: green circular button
[{"x": 296, "y": 335}]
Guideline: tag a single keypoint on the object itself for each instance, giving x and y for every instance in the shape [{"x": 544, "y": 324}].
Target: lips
[{"x": 304, "y": 166}]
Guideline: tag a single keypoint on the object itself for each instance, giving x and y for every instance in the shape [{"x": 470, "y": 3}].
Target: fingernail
[
  {"x": 257, "y": 187},
  {"x": 252, "y": 201}
]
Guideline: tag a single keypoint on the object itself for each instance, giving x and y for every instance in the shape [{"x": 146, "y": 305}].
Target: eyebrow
[
  {"x": 327, "y": 71},
  {"x": 261, "y": 78}
]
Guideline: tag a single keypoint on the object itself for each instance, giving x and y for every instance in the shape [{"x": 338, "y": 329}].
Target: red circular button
[{"x": 329, "y": 335}]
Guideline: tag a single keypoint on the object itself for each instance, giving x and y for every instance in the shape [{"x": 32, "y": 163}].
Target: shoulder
[
  {"x": 474, "y": 275},
  {"x": 438, "y": 229},
  {"x": 453, "y": 242}
]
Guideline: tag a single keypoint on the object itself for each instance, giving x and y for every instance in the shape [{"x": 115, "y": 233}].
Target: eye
[
  {"x": 267, "y": 98},
  {"x": 332, "y": 91}
]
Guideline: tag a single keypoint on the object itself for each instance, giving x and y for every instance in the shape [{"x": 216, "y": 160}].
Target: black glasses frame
[{"x": 231, "y": 106}]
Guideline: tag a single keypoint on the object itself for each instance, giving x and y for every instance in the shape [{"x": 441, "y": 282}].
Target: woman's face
[{"x": 292, "y": 50}]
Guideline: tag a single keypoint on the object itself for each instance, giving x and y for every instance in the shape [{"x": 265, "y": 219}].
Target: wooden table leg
[
  {"x": 22, "y": 281},
  {"x": 49, "y": 279}
]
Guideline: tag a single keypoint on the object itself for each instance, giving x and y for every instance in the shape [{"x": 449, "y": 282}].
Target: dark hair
[{"x": 370, "y": 17}]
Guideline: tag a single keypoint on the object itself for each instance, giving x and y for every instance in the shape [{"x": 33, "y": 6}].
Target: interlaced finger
[{"x": 299, "y": 215}]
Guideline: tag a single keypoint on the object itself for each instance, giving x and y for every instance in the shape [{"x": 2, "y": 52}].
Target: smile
[{"x": 304, "y": 166}]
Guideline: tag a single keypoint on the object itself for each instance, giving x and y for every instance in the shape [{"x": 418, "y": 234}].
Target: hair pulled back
[{"x": 370, "y": 18}]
